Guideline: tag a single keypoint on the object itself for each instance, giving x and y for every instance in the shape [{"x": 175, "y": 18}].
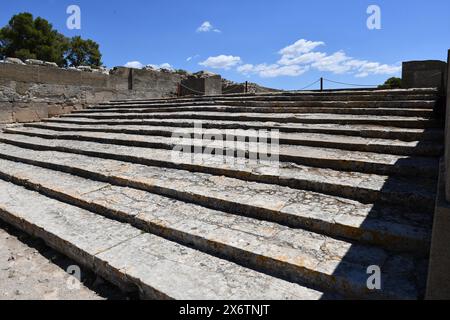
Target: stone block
[
  {"x": 6, "y": 115},
  {"x": 29, "y": 112},
  {"x": 50, "y": 64},
  {"x": 34, "y": 62},
  {"x": 438, "y": 286},
  {"x": 202, "y": 86},
  {"x": 424, "y": 74},
  {"x": 14, "y": 61},
  {"x": 56, "y": 110}
]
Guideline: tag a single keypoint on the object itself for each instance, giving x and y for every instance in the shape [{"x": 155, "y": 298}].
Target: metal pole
[
  {"x": 130, "y": 79},
  {"x": 321, "y": 84},
  {"x": 246, "y": 86}
]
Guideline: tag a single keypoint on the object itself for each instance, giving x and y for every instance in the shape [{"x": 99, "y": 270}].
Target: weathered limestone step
[
  {"x": 262, "y": 103},
  {"x": 403, "y": 122},
  {"x": 223, "y": 108},
  {"x": 418, "y": 194},
  {"x": 296, "y": 255},
  {"x": 368, "y": 104},
  {"x": 327, "y": 97},
  {"x": 366, "y": 162},
  {"x": 429, "y": 149},
  {"x": 393, "y": 228},
  {"x": 128, "y": 257},
  {"x": 409, "y": 94},
  {"x": 369, "y": 131},
  {"x": 330, "y": 96},
  {"x": 266, "y": 106}
]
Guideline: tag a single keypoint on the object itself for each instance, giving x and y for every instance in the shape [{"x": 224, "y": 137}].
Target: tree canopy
[
  {"x": 392, "y": 83},
  {"x": 27, "y": 38},
  {"x": 83, "y": 52}
]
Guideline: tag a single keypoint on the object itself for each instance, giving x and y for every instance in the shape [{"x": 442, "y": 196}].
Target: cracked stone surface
[
  {"x": 277, "y": 117},
  {"x": 323, "y": 157},
  {"x": 366, "y": 101},
  {"x": 349, "y": 184},
  {"x": 31, "y": 270},
  {"x": 294, "y": 207},
  {"x": 368, "y": 130},
  {"x": 337, "y": 141},
  {"x": 419, "y": 112},
  {"x": 354, "y": 187},
  {"x": 195, "y": 224},
  {"x": 108, "y": 247}
]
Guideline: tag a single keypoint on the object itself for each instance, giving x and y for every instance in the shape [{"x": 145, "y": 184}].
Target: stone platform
[{"x": 355, "y": 187}]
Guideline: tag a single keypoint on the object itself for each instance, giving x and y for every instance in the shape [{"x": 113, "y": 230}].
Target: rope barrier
[
  {"x": 351, "y": 84},
  {"x": 190, "y": 89},
  {"x": 236, "y": 86},
  {"x": 310, "y": 85}
]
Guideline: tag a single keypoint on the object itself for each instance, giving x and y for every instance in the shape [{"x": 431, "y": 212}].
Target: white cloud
[
  {"x": 299, "y": 47},
  {"x": 305, "y": 58},
  {"x": 134, "y": 64},
  {"x": 301, "y": 56},
  {"x": 192, "y": 57},
  {"x": 207, "y": 27},
  {"x": 161, "y": 66},
  {"x": 221, "y": 62},
  {"x": 246, "y": 68},
  {"x": 337, "y": 63},
  {"x": 139, "y": 65},
  {"x": 273, "y": 70}
]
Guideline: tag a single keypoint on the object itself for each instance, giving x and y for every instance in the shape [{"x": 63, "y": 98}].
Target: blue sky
[{"x": 284, "y": 44}]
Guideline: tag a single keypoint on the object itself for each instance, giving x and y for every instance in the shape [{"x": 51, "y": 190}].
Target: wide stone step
[
  {"x": 394, "y": 228},
  {"x": 369, "y": 131},
  {"x": 366, "y": 162},
  {"x": 429, "y": 149},
  {"x": 293, "y": 254},
  {"x": 383, "y": 95},
  {"x": 266, "y": 106},
  {"x": 335, "y": 97},
  {"x": 123, "y": 254},
  {"x": 367, "y": 104},
  {"x": 355, "y": 111},
  {"x": 403, "y": 122},
  {"x": 416, "y": 193}
]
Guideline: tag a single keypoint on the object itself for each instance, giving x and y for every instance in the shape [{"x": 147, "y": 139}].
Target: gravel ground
[{"x": 30, "y": 270}]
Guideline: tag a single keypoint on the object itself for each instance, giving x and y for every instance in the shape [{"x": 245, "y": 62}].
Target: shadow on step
[
  {"x": 89, "y": 279},
  {"x": 403, "y": 263}
]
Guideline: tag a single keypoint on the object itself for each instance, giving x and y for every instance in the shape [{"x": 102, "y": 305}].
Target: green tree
[
  {"x": 392, "y": 83},
  {"x": 27, "y": 38},
  {"x": 83, "y": 53}
]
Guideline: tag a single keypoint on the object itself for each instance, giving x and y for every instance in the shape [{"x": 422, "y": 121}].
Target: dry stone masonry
[
  {"x": 37, "y": 89},
  {"x": 355, "y": 188}
]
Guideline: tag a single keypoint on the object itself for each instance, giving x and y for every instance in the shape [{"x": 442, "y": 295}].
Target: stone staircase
[{"x": 355, "y": 187}]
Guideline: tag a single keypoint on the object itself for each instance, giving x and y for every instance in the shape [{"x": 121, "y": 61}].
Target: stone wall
[
  {"x": 207, "y": 85},
  {"x": 32, "y": 92},
  {"x": 424, "y": 74}
]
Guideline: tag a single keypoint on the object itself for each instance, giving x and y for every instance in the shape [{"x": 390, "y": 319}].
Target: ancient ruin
[{"x": 87, "y": 164}]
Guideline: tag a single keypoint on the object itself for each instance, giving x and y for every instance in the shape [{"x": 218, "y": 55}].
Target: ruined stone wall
[{"x": 31, "y": 92}]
